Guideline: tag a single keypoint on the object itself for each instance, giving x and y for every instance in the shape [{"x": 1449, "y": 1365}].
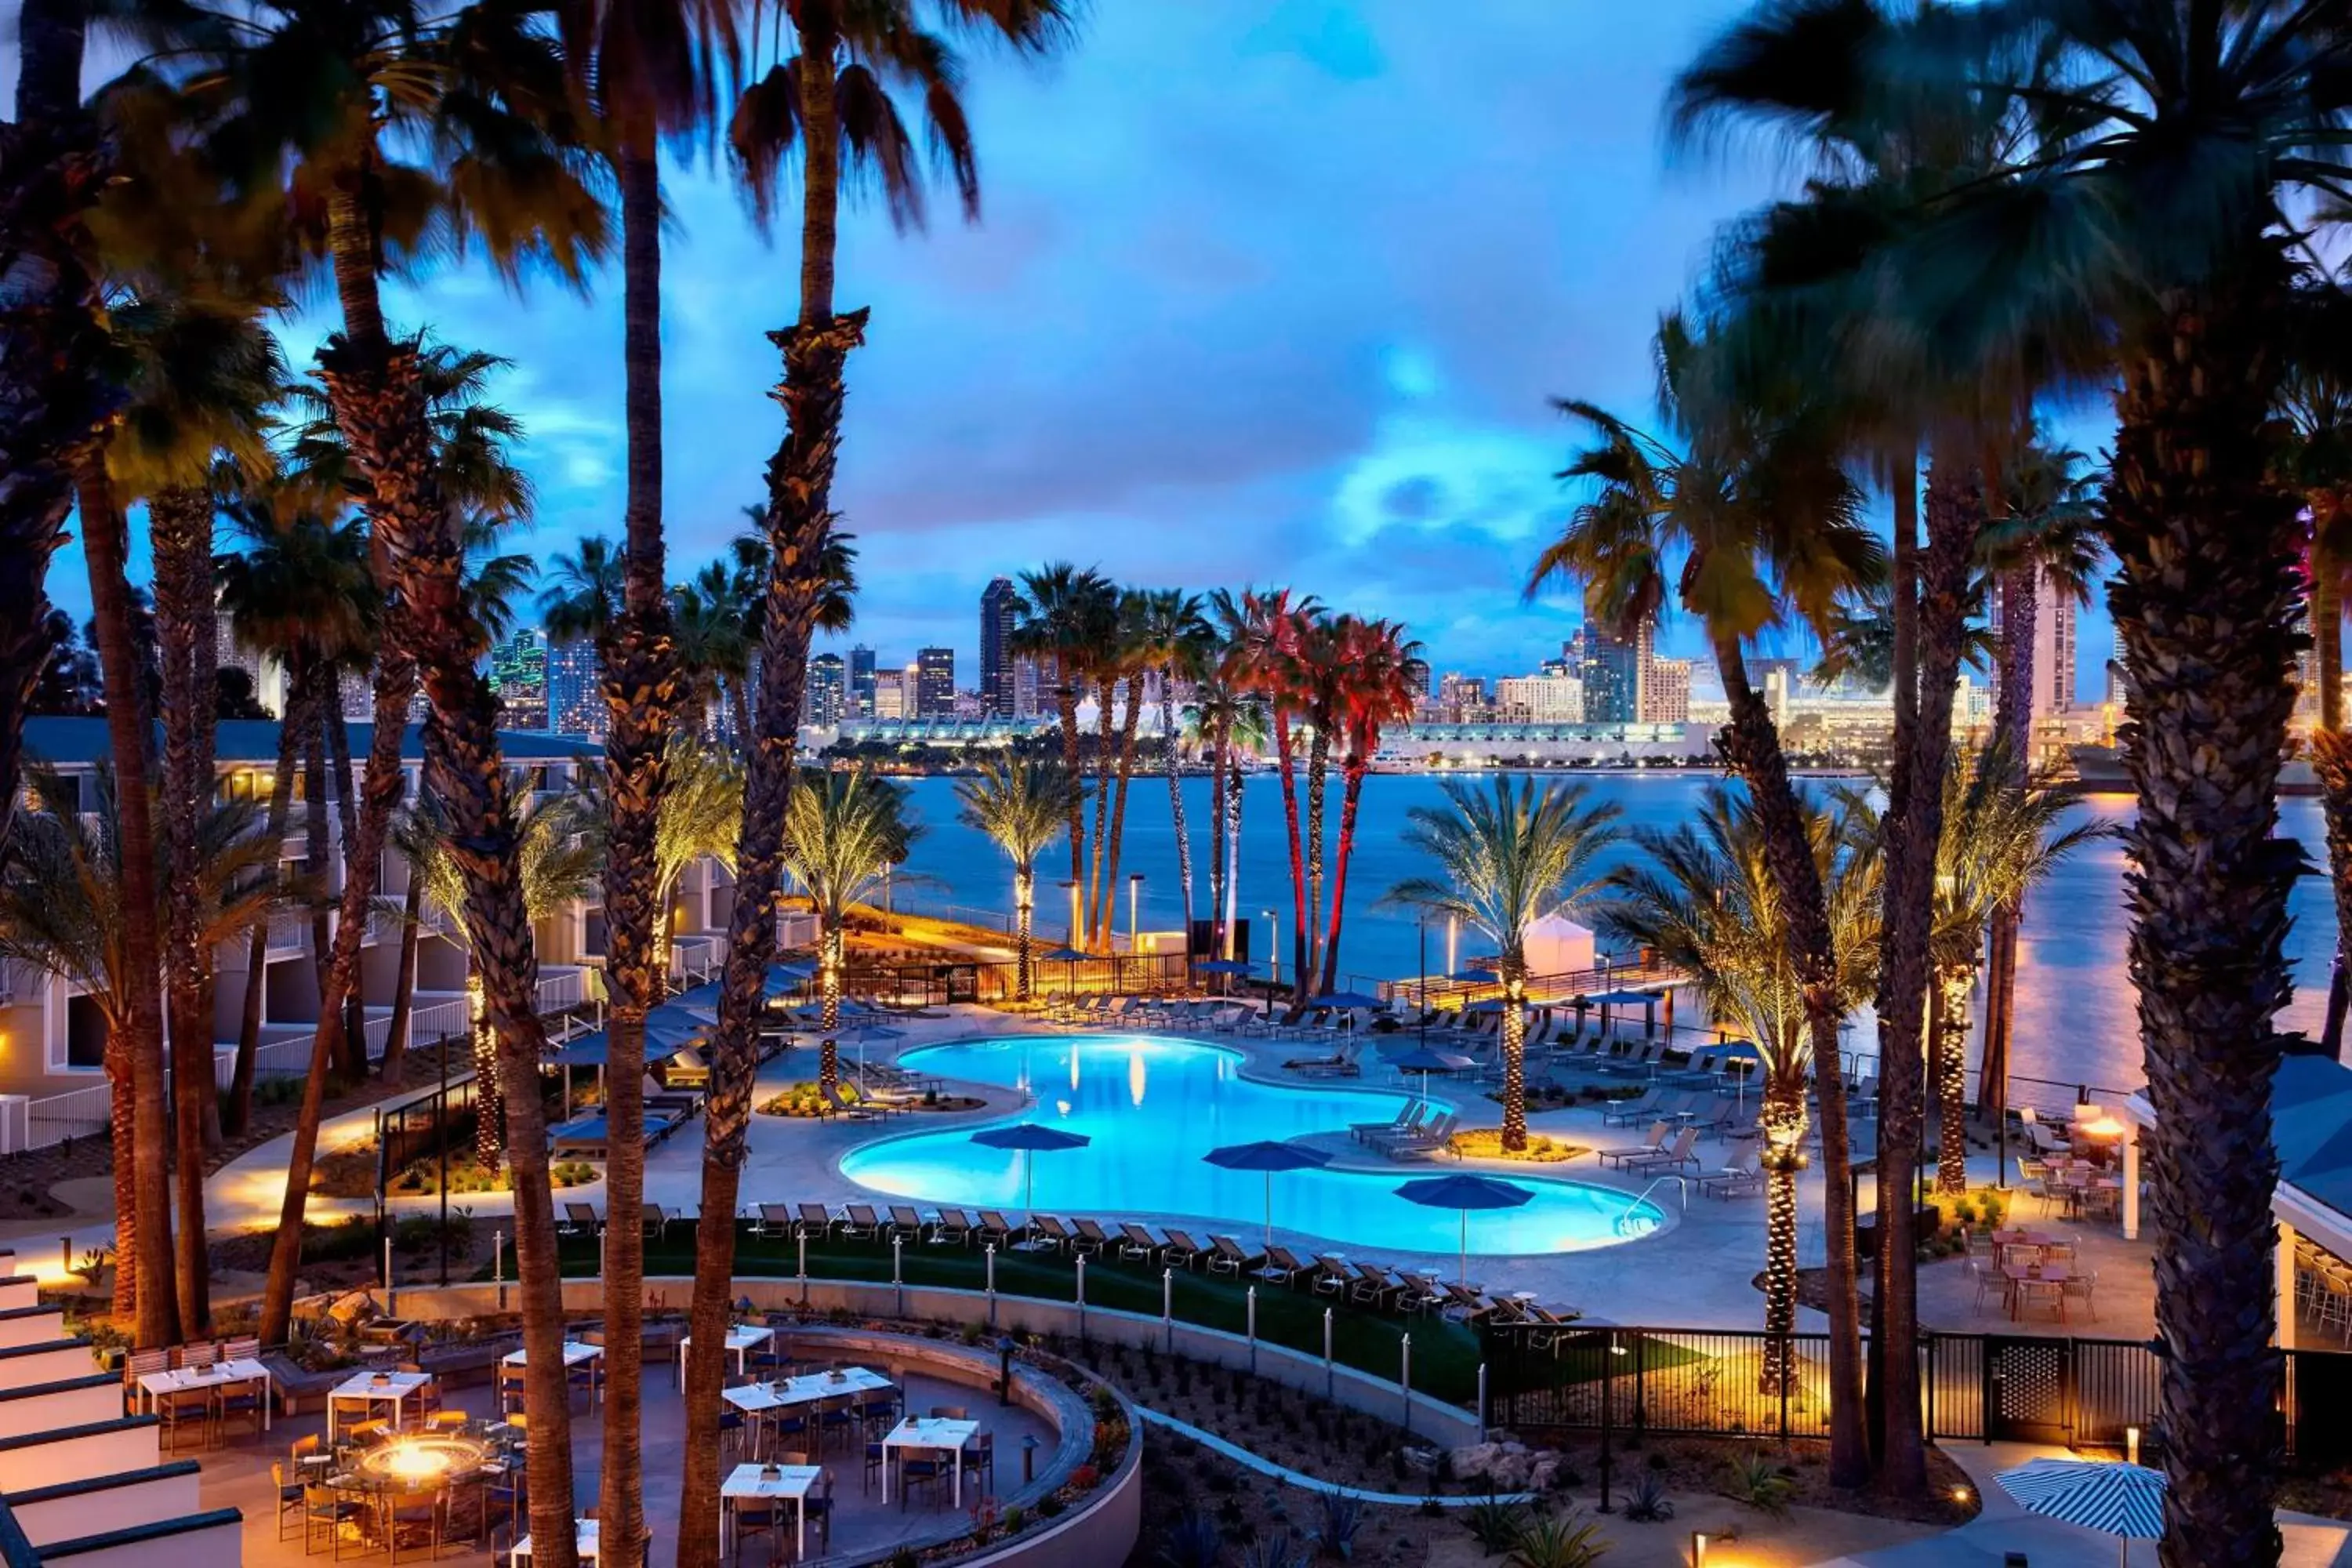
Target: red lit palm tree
[{"x": 1379, "y": 690}]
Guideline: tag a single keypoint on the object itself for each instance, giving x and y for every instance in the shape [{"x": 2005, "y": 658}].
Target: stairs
[{"x": 81, "y": 1482}]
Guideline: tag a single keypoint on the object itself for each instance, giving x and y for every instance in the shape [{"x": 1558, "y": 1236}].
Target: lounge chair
[
  {"x": 1137, "y": 1243},
  {"x": 1743, "y": 1175},
  {"x": 1340, "y": 1063},
  {"x": 1048, "y": 1234},
  {"x": 1467, "y": 1303},
  {"x": 844, "y": 1103},
  {"x": 1432, "y": 1139},
  {"x": 1281, "y": 1265},
  {"x": 1179, "y": 1247},
  {"x": 1651, "y": 1145},
  {"x": 995, "y": 1227},
  {"x": 1404, "y": 1122},
  {"x": 1419, "y": 1292},
  {"x": 1090, "y": 1237},
  {"x": 904, "y": 1220},
  {"x": 776, "y": 1219},
  {"x": 1672, "y": 1158},
  {"x": 953, "y": 1225},
  {"x": 1555, "y": 1325},
  {"x": 1625, "y": 1112},
  {"x": 655, "y": 1221},
  {"x": 1331, "y": 1274},
  {"x": 859, "y": 1223},
  {"x": 581, "y": 1219},
  {"x": 1228, "y": 1257},
  {"x": 816, "y": 1218},
  {"x": 1372, "y": 1283}
]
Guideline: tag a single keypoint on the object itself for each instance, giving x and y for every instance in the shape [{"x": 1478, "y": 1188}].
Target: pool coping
[{"x": 1344, "y": 1162}]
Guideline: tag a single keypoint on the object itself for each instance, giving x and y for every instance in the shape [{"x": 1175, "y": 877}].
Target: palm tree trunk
[
  {"x": 1285, "y": 757},
  {"x": 641, "y": 692},
  {"x": 317, "y": 855},
  {"x": 1514, "y": 970},
  {"x": 2327, "y": 616},
  {"x": 395, "y": 685},
  {"x": 106, "y": 544},
  {"x": 1913, "y": 827},
  {"x": 1091, "y": 912},
  {"x": 1024, "y": 903},
  {"x": 738, "y": 696},
  {"x": 346, "y": 791},
  {"x": 1781, "y": 1123},
  {"x": 2204, "y": 602},
  {"x": 1318, "y": 767},
  {"x": 54, "y": 398},
  {"x": 1066, "y": 698},
  {"x": 2013, "y": 730},
  {"x": 404, "y": 985},
  {"x": 800, "y": 516},
  {"x": 832, "y": 946},
  {"x": 1220, "y": 917},
  {"x": 180, "y": 535},
  {"x": 1905, "y": 573},
  {"x": 1951, "y": 1021},
  {"x": 1235, "y": 787},
  {"x": 1358, "y": 764},
  {"x": 375, "y": 388},
  {"x": 1118, "y": 808},
  {"x": 1173, "y": 759},
  {"x": 1751, "y": 745},
  {"x": 239, "y": 1112}
]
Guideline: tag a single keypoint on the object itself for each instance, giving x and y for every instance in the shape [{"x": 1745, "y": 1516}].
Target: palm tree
[
  {"x": 714, "y": 652},
  {"x": 582, "y": 596},
  {"x": 53, "y": 168},
  {"x": 1318, "y": 675},
  {"x": 1127, "y": 658},
  {"x": 2192, "y": 136},
  {"x": 1057, "y": 613},
  {"x": 1021, "y": 805},
  {"x": 64, "y": 910},
  {"x": 2046, "y": 533},
  {"x": 1757, "y": 522},
  {"x": 1507, "y": 861},
  {"x": 1706, "y": 897},
  {"x": 1377, "y": 690},
  {"x": 1209, "y": 725},
  {"x": 2001, "y": 838},
  {"x": 1174, "y": 629},
  {"x": 1261, "y": 633},
  {"x": 841, "y": 832}
]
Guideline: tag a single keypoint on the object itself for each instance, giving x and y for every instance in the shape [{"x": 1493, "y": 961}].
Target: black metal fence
[{"x": 2083, "y": 1393}]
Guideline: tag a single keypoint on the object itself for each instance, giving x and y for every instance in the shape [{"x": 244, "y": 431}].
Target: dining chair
[
  {"x": 325, "y": 1511},
  {"x": 289, "y": 1497}
]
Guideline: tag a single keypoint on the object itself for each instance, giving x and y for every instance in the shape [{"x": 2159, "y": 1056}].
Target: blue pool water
[{"x": 1154, "y": 1107}]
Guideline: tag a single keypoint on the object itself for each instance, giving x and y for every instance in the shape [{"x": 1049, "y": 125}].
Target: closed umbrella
[
  {"x": 1267, "y": 1156},
  {"x": 1069, "y": 956},
  {"x": 1465, "y": 1193},
  {"x": 1031, "y": 1140},
  {"x": 872, "y": 1032},
  {"x": 2119, "y": 1499},
  {"x": 1224, "y": 966}
]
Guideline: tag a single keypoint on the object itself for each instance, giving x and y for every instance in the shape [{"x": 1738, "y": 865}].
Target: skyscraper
[
  {"x": 826, "y": 689},
  {"x": 2053, "y": 650},
  {"x": 996, "y": 602},
  {"x": 575, "y": 699},
  {"x": 518, "y": 674},
  {"x": 1612, "y": 670},
  {"x": 935, "y": 683},
  {"x": 1665, "y": 695},
  {"x": 858, "y": 703}
]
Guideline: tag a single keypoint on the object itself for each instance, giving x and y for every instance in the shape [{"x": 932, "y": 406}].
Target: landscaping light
[
  {"x": 1698, "y": 1548},
  {"x": 2131, "y": 1444}
]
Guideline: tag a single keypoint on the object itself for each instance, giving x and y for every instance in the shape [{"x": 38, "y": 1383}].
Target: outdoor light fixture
[
  {"x": 1134, "y": 892},
  {"x": 1273, "y": 956},
  {"x": 1073, "y": 886},
  {"x": 1698, "y": 1548},
  {"x": 2131, "y": 1444}
]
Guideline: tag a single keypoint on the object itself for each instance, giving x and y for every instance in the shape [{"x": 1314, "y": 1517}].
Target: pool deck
[{"x": 1696, "y": 1272}]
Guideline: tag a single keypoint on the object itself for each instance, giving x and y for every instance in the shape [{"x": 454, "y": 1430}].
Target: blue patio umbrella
[
  {"x": 783, "y": 979},
  {"x": 1347, "y": 999},
  {"x": 1268, "y": 1155},
  {"x": 2123, "y": 1500},
  {"x": 1031, "y": 1140},
  {"x": 1488, "y": 1005},
  {"x": 1465, "y": 1193},
  {"x": 1069, "y": 956},
  {"x": 1427, "y": 1060}
]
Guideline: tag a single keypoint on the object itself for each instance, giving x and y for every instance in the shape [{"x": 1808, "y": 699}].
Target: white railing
[
  {"x": 694, "y": 959},
  {"x": 283, "y": 1059},
  {"x": 288, "y": 933},
  {"x": 55, "y": 1118},
  {"x": 560, "y": 989},
  {"x": 437, "y": 1019},
  {"x": 378, "y": 1035}
]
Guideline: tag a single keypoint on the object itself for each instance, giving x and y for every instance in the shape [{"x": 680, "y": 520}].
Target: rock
[
  {"x": 1421, "y": 1461},
  {"x": 1506, "y": 1465},
  {"x": 1543, "y": 1472}
]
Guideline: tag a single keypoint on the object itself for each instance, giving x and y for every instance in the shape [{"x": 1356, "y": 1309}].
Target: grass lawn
[{"x": 1445, "y": 1356}]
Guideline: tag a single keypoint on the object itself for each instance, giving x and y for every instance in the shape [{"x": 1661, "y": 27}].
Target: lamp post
[
  {"x": 1423, "y": 922},
  {"x": 1273, "y": 956},
  {"x": 1134, "y": 898},
  {"x": 1070, "y": 886}
]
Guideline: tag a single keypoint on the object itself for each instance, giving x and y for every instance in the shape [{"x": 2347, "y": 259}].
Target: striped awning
[{"x": 2115, "y": 1499}]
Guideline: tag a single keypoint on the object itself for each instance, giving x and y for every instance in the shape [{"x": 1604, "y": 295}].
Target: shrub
[
  {"x": 1494, "y": 1524},
  {"x": 1340, "y": 1515},
  {"x": 1086, "y": 1477},
  {"x": 1050, "y": 1507},
  {"x": 1758, "y": 1482},
  {"x": 1649, "y": 1503},
  {"x": 1556, "y": 1540},
  {"x": 1272, "y": 1552},
  {"x": 1194, "y": 1542}
]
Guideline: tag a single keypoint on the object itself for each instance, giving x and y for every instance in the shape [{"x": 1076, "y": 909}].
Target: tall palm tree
[
  {"x": 1209, "y": 725},
  {"x": 1704, "y": 896},
  {"x": 2193, "y": 135},
  {"x": 1128, "y": 659},
  {"x": 1317, "y": 679},
  {"x": 1174, "y": 628},
  {"x": 2046, "y": 533},
  {"x": 54, "y": 169},
  {"x": 1507, "y": 858},
  {"x": 714, "y": 653},
  {"x": 1021, "y": 805},
  {"x": 64, "y": 910},
  {"x": 1377, "y": 690},
  {"x": 842, "y": 832},
  {"x": 582, "y": 596},
  {"x": 1747, "y": 519},
  {"x": 1057, "y": 613},
  {"x": 1261, "y": 633}
]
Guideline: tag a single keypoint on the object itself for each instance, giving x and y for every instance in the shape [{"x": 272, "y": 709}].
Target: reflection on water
[{"x": 2075, "y": 1019}]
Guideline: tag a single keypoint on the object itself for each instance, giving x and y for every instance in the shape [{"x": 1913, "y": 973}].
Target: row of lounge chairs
[{"x": 1417, "y": 1131}]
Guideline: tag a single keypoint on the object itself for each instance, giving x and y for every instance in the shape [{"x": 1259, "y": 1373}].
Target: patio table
[
  {"x": 753, "y": 1398},
  {"x": 220, "y": 1374},
  {"x": 574, "y": 1354},
  {"x": 370, "y": 1389},
  {"x": 742, "y": 1340},
  {"x": 586, "y": 1538},
  {"x": 774, "y": 1483},
  {"x": 2024, "y": 1279},
  {"x": 928, "y": 1434}
]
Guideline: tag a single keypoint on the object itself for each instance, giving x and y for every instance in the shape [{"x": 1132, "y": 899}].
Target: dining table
[
  {"x": 585, "y": 1535},
  {"x": 756, "y": 1398},
  {"x": 2026, "y": 1280},
  {"x": 742, "y": 1339},
  {"x": 369, "y": 1389},
  {"x": 928, "y": 1434},
  {"x": 220, "y": 1374},
  {"x": 576, "y": 1353},
  {"x": 771, "y": 1483}
]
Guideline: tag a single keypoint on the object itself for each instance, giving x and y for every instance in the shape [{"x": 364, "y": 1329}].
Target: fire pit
[{"x": 420, "y": 1461}]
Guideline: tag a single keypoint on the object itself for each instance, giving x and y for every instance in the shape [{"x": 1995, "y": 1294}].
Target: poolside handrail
[{"x": 1682, "y": 1189}]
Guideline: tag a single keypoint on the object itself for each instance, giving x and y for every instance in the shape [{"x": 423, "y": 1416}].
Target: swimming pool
[{"x": 1154, "y": 1107}]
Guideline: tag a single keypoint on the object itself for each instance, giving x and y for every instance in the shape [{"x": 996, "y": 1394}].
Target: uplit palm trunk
[
  {"x": 377, "y": 395},
  {"x": 1173, "y": 755},
  {"x": 1220, "y": 917},
  {"x": 1118, "y": 808},
  {"x": 2204, "y": 602},
  {"x": 180, "y": 529},
  {"x": 1285, "y": 757},
  {"x": 1953, "y": 986},
  {"x": 1913, "y": 828},
  {"x": 53, "y": 396},
  {"x": 240, "y": 1109},
  {"x": 1024, "y": 947},
  {"x": 404, "y": 984},
  {"x": 1067, "y": 699},
  {"x": 1751, "y": 743},
  {"x": 317, "y": 852},
  {"x": 1780, "y": 1124},
  {"x": 1352, "y": 770},
  {"x": 1318, "y": 768},
  {"x": 339, "y": 756},
  {"x": 395, "y": 685},
  {"x": 1093, "y": 922},
  {"x": 1513, "y": 968},
  {"x": 137, "y": 1045},
  {"x": 2332, "y": 760},
  {"x": 2013, "y": 725},
  {"x": 828, "y": 1070},
  {"x": 1235, "y": 785},
  {"x": 800, "y": 485},
  {"x": 641, "y": 694}
]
